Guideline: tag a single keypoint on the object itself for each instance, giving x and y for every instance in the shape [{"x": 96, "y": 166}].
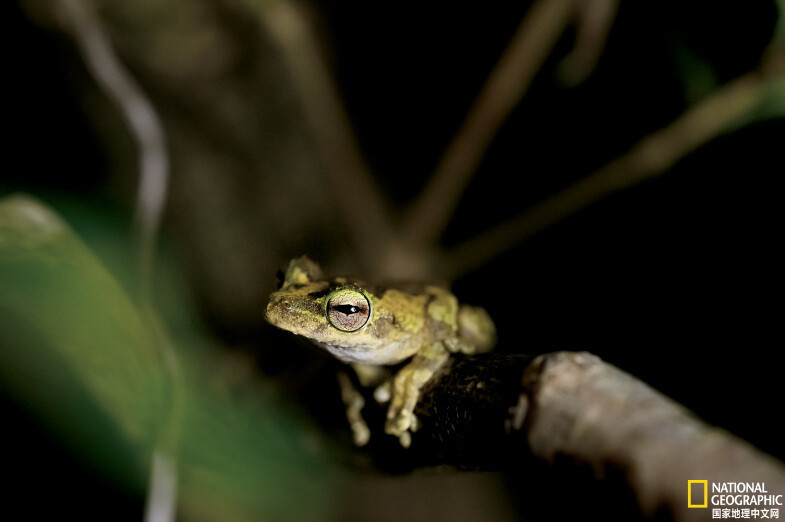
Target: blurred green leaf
[
  {"x": 78, "y": 353},
  {"x": 74, "y": 347}
]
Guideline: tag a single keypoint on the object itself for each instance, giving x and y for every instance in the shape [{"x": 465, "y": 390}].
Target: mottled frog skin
[{"x": 373, "y": 326}]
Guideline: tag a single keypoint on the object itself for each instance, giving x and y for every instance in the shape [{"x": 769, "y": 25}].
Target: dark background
[{"x": 676, "y": 280}]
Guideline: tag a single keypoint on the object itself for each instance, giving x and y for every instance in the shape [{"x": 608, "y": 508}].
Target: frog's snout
[
  {"x": 293, "y": 313},
  {"x": 277, "y": 307},
  {"x": 269, "y": 312}
]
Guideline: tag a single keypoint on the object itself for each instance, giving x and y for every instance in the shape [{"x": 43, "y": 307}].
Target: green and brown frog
[{"x": 372, "y": 327}]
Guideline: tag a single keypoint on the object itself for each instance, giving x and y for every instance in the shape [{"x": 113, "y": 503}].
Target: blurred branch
[
  {"x": 147, "y": 131},
  {"x": 595, "y": 19},
  {"x": 364, "y": 209},
  {"x": 723, "y": 111},
  {"x": 508, "y": 82}
]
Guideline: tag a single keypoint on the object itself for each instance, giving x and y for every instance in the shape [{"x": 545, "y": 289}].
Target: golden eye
[{"x": 348, "y": 311}]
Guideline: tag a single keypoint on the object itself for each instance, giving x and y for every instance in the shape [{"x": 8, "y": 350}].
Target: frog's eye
[{"x": 348, "y": 311}]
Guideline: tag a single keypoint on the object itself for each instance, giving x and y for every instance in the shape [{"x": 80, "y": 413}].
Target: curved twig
[
  {"x": 595, "y": 19},
  {"x": 141, "y": 118},
  {"x": 147, "y": 131}
]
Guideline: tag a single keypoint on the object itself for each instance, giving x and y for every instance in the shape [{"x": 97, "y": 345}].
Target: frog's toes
[
  {"x": 361, "y": 434},
  {"x": 402, "y": 426},
  {"x": 398, "y": 423},
  {"x": 415, "y": 424},
  {"x": 383, "y": 393}
]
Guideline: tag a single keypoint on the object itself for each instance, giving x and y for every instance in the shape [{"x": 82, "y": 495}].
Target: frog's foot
[
  {"x": 406, "y": 386},
  {"x": 402, "y": 427},
  {"x": 401, "y": 421},
  {"x": 354, "y": 402}
]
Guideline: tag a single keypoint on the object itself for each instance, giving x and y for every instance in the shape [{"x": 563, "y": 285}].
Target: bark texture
[{"x": 502, "y": 411}]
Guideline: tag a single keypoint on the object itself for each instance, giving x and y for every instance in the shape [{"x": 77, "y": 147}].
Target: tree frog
[{"x": 372, "y": 327}]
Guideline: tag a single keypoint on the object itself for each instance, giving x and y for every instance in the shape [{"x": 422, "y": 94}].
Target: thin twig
[
  {"x": 648, "y": 158},
  {"x": 506, "y": 85},
  {"x": 147, "y": 131}
]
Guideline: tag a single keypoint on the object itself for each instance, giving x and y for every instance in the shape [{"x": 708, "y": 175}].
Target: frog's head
[
  {"x": 317, "y": 309},
  {"x": 336, "y": 314}
]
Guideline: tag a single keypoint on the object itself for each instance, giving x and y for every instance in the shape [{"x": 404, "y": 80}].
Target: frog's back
[
  {"x": 463, "y": 328},
  {"x": 476, "y": 328}
]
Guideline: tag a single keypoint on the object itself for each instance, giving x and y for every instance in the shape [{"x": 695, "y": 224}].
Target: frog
[{"x": 395, "y": 336}]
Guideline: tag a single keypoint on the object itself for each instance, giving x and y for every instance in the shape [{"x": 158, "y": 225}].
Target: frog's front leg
[{"x": 406, "y": 387}]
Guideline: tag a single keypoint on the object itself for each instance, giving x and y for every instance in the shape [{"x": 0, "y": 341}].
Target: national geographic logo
[
  {"x": 749, "y": 500},
  {"x": 702, "y": 497}
]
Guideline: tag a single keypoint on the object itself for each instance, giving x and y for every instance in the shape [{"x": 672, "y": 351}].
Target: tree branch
[{"x": 510, "y": 411}]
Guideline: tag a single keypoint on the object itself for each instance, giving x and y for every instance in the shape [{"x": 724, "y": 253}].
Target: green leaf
[
  {"x": 73, "y": 345},
  {"x": 77, "y": 352}
]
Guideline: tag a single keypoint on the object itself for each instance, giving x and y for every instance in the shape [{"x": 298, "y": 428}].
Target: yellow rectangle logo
[{"x": 705, "y": 503}]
